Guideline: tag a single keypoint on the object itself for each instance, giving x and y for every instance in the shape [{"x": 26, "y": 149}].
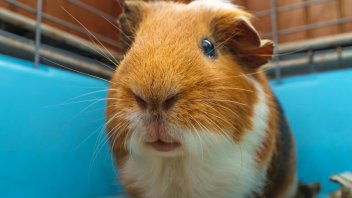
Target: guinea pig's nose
[
  {"x": 154, "y": 105},
  {"x": 140, "y": 102},
  {"x": 170, "y": 101}
]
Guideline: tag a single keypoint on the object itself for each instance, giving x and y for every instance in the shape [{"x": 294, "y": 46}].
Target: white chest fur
[{"x": 226, "y": 171}]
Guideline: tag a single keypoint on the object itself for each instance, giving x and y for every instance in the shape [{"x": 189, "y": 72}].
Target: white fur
[
  {"x": 214, "y": 4},
  {"x": 260, "y": 120},
  {"x": 208, "y": 165}
]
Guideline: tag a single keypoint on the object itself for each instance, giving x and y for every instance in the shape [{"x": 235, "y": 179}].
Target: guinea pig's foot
[{"x": 308, "y": 190}]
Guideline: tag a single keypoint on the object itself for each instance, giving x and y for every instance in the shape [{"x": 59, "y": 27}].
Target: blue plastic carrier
[{"x": 52, "y": 142}]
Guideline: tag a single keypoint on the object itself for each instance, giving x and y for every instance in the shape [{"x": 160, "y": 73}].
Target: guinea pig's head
[{"x": 183, "y": 81}]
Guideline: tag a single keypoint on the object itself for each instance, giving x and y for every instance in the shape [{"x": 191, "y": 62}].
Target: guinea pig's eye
[{"x": 208, "y": 48}]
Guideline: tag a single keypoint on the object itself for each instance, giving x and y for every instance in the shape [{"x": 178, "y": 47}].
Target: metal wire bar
[
  {"x": 275, "y": 39},
  {"x": 330, "y": 60},
  {"x": 62, "y": 22},
  {"x": 310, "y": 26},
  {"x": 11, "y": 42},
  {"x": 38, "y": 33},
  {"x": 290, "y": 7},
  {"x": 280, "y": 65},
  {"x": 316, "y": 44},
  {"x": 54, "y": 33}
]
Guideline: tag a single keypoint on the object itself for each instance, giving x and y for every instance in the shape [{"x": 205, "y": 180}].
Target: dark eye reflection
[{"x": 208, "y": 48}]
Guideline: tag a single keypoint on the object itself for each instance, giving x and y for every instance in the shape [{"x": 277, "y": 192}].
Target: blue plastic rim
[
  {"x": 319, "y": 110},
  {"x": 52, "y": 142}
]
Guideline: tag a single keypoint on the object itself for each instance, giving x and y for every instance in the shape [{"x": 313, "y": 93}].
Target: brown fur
[
  {"x": 163, "y": 58},
  {"x": 280, "y": 182},
  {"x": 282, "y": 167}
]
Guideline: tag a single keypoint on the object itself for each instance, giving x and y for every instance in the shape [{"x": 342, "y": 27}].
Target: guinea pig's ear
[
  {"x": 129, "y": 20},
  {"x": 242, "y": 40}
]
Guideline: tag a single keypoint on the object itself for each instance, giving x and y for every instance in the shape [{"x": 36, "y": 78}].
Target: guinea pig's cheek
[{"x": 196, "y": 143}]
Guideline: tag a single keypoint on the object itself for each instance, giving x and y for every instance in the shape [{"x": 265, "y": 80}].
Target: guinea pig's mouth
[{"x": 162, "y": 146}]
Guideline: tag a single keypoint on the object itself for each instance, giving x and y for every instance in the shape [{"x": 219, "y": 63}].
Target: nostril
[
  {"x": 170, "y": 101},
  {"x": 140, "y": 102}
]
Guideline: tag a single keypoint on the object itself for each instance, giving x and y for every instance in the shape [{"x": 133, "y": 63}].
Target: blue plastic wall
[
  {"x": 51, "y": 146},
  {"x": 52, "y": 143},
  {"x": 319, "y": 109}
]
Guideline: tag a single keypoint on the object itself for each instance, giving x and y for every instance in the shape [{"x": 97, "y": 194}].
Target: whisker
[
  {"x": 244, "y": 75},
  {"x": 207, "y": 112},
  {"x": 197, "y": 133},
  {"x": 231, "y": 88},
  {"x": 116, "y": 62},
  {"x": 100, "y": 135},
  {"x": 80, "y": 112},
  {"x": 102, "y": 53},
  {"x": 224, "y": 107},
  {"x": 223, "y": 133},
  {"x": 101, "y": 130},
  {"x": 109, "y": 134},
  {"x": 90, "y": 100},
  {"x": 216, "y": 125},
  {"x": 118, "y": 29},
  {"x": 87, "y": 138},
  {"x": 220, "y": 100},
  {"x": 101, "y": 108},
  {"x": 89, "y": 93},
  {"x": 75, "y": 70},
  {"x": 85, "y": 87},
  {"x": 117, "y": 136}
]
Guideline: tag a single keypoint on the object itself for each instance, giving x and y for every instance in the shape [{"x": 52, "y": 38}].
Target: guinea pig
[{"x": 190, "y": 113}]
